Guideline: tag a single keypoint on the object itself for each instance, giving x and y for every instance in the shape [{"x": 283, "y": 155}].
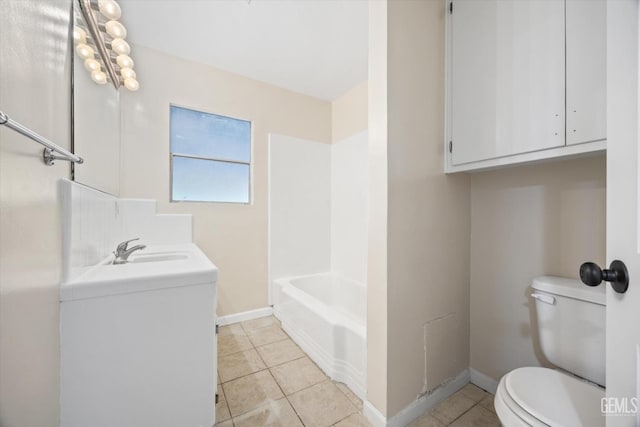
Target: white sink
[
  {"x": 159, "y": 256},
  {"x": 156, "y": 267}
]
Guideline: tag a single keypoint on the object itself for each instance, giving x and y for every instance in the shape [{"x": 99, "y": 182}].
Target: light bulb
[
  {"x": 124, "y": 61},
  {"x": 92, "y": 65},
  {"x": 127, "y": 73},
  {"x": 131, "y": 84},
  {"x": 84, "y": 51},
  {"x": 99, "y": 77},
  {"x": 116, "y": 29},
  {"x": 109, "y": 8},
  {"x": 79, "y": 36},
  {"x": 120, "y": 47}
]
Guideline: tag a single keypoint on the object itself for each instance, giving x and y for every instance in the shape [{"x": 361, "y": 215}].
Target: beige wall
[
  {"x": 420, "y": 227},
  {"x": 528, "y": 221},
  {"x": 377, "y": 227},
  {"x": 34, "y": 90},
  {"x": 428, "y": 234},
  {"x": 234, "y": 236},
  {"x": 349, "y": 113}
]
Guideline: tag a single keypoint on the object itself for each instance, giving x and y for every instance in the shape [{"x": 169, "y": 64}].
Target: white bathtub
[{"x": 325, "y": 315}]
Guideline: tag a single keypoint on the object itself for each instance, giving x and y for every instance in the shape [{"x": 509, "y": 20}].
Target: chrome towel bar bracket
[{"x": 51, "y": 151}]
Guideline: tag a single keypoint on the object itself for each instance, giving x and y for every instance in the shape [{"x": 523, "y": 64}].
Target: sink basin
[
  {"x": 159, "y": 256},
  {"x": 157, "y": 267}
]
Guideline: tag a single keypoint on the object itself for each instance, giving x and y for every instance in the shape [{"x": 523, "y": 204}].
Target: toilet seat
[{"x": 540, "y": 397}]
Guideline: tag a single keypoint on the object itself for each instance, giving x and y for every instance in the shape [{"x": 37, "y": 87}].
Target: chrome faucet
[{"x": 122, "y": 253}]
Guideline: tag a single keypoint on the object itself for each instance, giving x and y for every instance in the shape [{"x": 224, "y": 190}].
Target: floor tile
[
  {"x": 474, "y": 392},
  {"x": 477, "y": 417},
  {"x": 487, "y": 403},
  {"x": 266, "y": 335},
  {"x": 258, "y": 323},
  {"x": 354, "y": 420},
  {"x": 233, "y": 329},
  {"x": 222, "y": 409},
  {"x": 426, "y": 421},
  {"x": 247, "y": 393},
  {"x": 280, "y": 352},
  {"x": 357, "y": 402},
  {"x": 297, "y": 374},
  {"x": 227, "y": 423},
  {"x": 228, "y": 344},
  {"x": 274, "y": 413},
  {"x": 239, "y": 364},
  {"x": 321, "y": 405},
  {"x": 452, "y": 408}
]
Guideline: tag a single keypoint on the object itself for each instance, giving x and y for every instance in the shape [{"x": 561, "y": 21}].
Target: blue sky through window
[
  {"x": 209, "y": 135},
  {"x": 209, "y": 180},
  {"x": 214, "y": 139}
]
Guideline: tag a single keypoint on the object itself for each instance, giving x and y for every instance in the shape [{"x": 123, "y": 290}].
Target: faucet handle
[{"x": 123, "y": 246}]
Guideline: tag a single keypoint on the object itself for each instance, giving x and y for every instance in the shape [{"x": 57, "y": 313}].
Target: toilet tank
[{"x": 571, "y": 325}]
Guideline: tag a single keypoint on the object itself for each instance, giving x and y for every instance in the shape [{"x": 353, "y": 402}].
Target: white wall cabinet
[
  {"x": 586, "y": 71},
  {"x": 525, "y": 81}
]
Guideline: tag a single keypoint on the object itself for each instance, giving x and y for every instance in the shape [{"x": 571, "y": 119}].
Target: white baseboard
[
  {"x": 374, "y": 416},
  {"x": 245, "y": 315},
  {"x": 417, "y": 408},
  {"x": 483, "y": 381}
]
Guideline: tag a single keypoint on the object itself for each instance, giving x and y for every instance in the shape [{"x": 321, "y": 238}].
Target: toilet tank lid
[{"x": 571, "y": 288}]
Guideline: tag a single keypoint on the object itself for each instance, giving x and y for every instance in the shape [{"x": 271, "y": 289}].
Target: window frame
[{"x": 249, "y": 163}]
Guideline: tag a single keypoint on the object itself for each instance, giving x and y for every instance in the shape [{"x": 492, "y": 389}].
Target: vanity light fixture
[{"x": 105, "y": 35}]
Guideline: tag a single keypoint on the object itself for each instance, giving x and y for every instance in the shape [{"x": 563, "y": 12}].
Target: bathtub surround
[
  {"x": 34, "y": 89},
  {"x": 545, "y": 220},
  {"x": 317, "y": 207},
  {"x": 349, "y": 183},
  {"x": 418, "y": 263},
  {"x": 299, "y": 207}
]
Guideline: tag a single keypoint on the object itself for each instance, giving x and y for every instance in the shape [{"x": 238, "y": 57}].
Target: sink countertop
[{"x": 191, "y": 268}]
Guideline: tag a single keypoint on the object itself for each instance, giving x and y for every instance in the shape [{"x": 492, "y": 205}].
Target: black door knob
[{"x": 617, "y": 275}]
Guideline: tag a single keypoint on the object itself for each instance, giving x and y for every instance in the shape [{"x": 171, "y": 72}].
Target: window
[{"x": 210, "y": 157}]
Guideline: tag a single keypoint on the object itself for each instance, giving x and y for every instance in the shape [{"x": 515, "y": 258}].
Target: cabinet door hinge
[
  {"x": 217, "y": 328},
  {"x": 217, "y": 398},
  {"x": 451, "y": 146},
  {"x": 451, "y": 8}
]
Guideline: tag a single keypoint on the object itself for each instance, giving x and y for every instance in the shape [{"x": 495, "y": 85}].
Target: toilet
[{"x": 571, "y": 333}]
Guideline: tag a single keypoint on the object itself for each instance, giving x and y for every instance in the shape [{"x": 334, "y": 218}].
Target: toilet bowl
[
  {"x": 571, "y": 333},
  {"x": 542, "y": 397}
]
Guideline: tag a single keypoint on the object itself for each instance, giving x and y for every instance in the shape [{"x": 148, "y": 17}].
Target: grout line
[
  {"x": 284, "y": 363},
  {"x": 344, "y": 418},
  {"x": 274, "y": 379},
  {"x": 244, "y": 376},
  {"x": 460, "y": 416},
  {"x": 251, "y": 373}
]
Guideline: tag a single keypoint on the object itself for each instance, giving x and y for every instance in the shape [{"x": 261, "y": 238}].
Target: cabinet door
[
  {"x": 507, "y": 77},
  {"x": 586, "y": 70}
]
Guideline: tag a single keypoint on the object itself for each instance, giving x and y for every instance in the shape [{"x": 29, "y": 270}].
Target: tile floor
[
  {"x": 470, "y": 406},
  {"x": 265, "y": 379}
]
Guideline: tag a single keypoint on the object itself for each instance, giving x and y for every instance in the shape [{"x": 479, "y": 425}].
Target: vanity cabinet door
[
  {"x": 507, "y": 70},
  {"x": 586, "y": 70}
]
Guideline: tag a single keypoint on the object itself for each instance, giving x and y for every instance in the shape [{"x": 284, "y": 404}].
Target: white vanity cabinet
[
  {"x": 525, "y": 81},
  {"x": 138, "y": 343}
]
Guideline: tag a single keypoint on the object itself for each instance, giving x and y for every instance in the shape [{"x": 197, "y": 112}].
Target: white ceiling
[{"x": 314, "y": 47}]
